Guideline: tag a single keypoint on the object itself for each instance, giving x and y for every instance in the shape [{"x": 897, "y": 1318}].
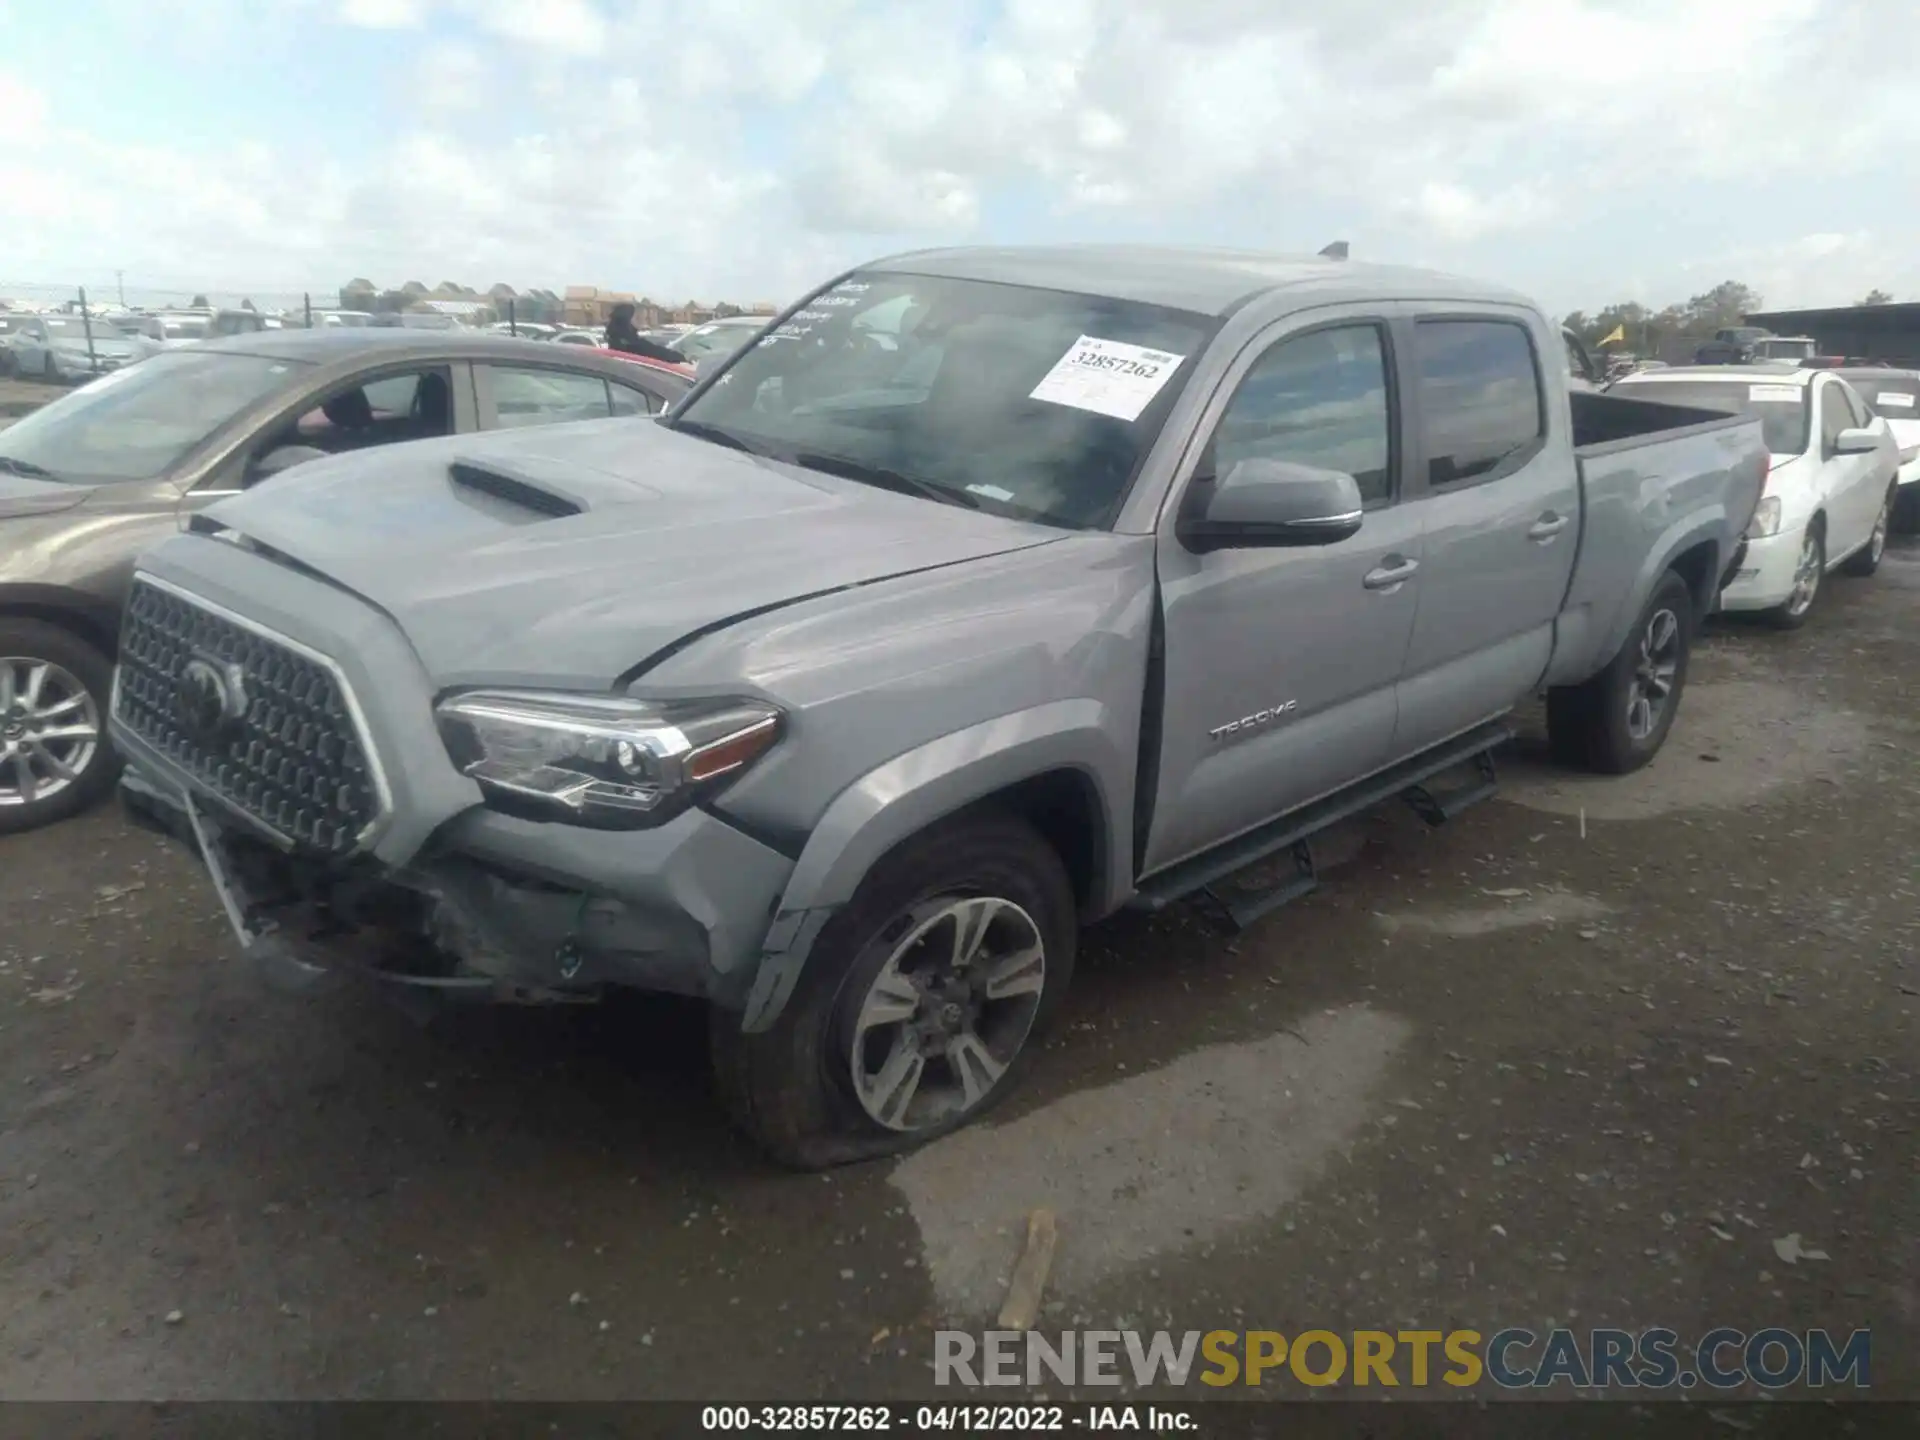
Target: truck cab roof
[{"x": 1201, "y": 281}]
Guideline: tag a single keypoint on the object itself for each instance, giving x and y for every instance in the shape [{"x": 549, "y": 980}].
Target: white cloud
[
  {"x": 452, "y": 76},
  {"x": 384, "y": 14},
  {"x": 749, "y": 145}
]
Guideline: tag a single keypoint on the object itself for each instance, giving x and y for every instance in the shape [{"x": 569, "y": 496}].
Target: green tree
[
  {"x": 1727, "y": 304},
  {"x": 1876, "y": 297}
]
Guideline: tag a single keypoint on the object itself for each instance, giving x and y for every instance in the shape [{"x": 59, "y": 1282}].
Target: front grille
[{"x": 294, "y": 760}]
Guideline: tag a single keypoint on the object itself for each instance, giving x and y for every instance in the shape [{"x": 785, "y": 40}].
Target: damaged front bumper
[{"x": 495, "y": 908}]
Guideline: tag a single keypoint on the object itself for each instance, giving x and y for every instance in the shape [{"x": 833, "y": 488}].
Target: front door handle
[
  {"x": 1391, "y": 573},
  {"x": 1547, "y": 526}
]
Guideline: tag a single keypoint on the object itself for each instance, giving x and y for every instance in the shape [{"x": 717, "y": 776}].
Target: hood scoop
[{"x": 509, "y": 494}]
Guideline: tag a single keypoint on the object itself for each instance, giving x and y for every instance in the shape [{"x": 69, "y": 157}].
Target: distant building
[
  {"x": 589, "y": 306},
  {"x": 467, "y": 312},
  {"x": 1871, "y": 332}
]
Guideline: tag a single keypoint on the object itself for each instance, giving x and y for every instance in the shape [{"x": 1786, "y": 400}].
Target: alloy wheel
[
  {"x": 1806, "y": 577},
  {"x": 1877, "y": 545},
  {"x": 1653, "y": 674},
  {"x": 49, "y": 730},
  {"x": 948, "y": 1012}
]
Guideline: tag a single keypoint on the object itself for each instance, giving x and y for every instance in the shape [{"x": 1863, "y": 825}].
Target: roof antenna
[{"x": 1336, "y": 251}]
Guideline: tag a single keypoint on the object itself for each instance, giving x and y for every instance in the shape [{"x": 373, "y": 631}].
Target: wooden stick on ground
[{"x": 1022, "y": 1305}]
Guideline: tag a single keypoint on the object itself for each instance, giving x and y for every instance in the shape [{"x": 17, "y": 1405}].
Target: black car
[{"x": 90, "y": 480}]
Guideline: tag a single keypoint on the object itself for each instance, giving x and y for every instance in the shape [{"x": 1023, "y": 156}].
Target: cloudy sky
[{"x": 742, "y": 148}]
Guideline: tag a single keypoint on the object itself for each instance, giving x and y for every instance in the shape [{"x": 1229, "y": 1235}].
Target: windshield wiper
[
  {"x": 26, "y": 468},
  {"x": 700, "y": 430},
  {"x": 879, "y": 475}
]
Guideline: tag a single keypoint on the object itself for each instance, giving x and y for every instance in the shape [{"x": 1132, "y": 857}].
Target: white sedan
[
  {"x": 1830, "y": 492},
  {"x": 1894, "y": 395}
]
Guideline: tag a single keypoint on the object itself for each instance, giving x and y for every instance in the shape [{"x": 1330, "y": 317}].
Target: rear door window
[
  {"x": 1482, "y": 413},
  {"x": 546, "y": 397}
]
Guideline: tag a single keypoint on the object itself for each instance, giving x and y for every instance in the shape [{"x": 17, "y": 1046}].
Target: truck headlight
[
  {"x": 602, "y": 761},
  {"x": 1766, "y": 519}
]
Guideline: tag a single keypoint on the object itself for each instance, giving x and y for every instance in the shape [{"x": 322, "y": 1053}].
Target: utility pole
[{"x": 120, "y": 282}]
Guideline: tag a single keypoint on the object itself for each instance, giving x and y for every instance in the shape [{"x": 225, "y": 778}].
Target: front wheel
[
  {"x": 920, "y": 1002},
  {"x": 1864, "y": 561},
  {"x": 1808, "y": 573},
  {"x": 54, "y": 756},
  {"x": 1617, "y": 721}
]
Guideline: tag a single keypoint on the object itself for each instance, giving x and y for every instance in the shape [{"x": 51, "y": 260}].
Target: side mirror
[
  {"x": 1261, "y": 503},
  {"x": 284, "y": 457},
  {"x": 1855, "y": 442}
]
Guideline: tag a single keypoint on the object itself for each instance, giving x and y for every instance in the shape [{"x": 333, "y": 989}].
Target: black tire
[
  {"x": 1791, "y": 613},
  {"x": 1593, "y": 726},
  {"x": 791, "y": 1088},
  {"x": 37, "y": 640},
  {"x": 1906, "y": 510},
  {"x": 1864, "y": 561}
]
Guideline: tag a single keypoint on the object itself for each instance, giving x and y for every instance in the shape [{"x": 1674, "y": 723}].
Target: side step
[
  {"x": 1437, "y": 809},
  {"x": 1202, "y": 873}
]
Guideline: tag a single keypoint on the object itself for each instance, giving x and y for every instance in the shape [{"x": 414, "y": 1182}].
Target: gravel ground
[
  {"x": 1581, "y": 1057},
  {"x": 21, "y": 397}
]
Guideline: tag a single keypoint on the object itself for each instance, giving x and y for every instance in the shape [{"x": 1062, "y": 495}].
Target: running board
[
  {"x": 1202, "y": 873},
  {"x": 1437, "y": 809}
]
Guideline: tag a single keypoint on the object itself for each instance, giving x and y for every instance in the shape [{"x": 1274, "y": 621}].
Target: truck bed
[
  {"x": 1604, "y": 424},
  {"x": 1644, "y": 465}
]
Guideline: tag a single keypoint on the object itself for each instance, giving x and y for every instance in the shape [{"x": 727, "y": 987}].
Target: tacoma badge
[{"x": 1253, "y": 721}]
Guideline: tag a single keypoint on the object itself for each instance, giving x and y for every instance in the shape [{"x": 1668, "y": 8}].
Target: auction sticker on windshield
[
  {"x": 1108, "y": 377},
  {"x": 1893, "y": 399},
  {"x": 1775, "y": 394}
]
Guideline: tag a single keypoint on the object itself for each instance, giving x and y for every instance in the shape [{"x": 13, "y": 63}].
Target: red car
[{"x": 683, "y": 369}]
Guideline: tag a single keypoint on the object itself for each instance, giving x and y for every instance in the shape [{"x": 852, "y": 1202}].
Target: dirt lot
[
  {"x": 1582, "y": 1056},
  {"x": 21, "y": 397}
]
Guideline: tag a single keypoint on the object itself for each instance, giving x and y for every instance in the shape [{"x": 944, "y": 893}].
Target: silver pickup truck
[{"x": 987, "y": 592}]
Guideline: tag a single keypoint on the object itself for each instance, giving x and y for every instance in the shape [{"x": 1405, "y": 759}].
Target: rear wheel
[
  {"x": 1617, "y": 721},
  {"x": 1866, "y": 560},
  {"x": 1808, "y": 574},
  {"x": 920, "y": 1002},
  {"x": 1906, "y": 509},
  {"x": 54, "y": 757}
]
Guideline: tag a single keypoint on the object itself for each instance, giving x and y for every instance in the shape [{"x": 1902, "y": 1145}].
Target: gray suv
[{"x": 985, "y": 593}]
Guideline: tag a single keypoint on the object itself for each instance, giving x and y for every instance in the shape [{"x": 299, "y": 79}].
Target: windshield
[
  {"x": 1031, "y": 402},
  {"x": 1781, "y": 409},
  {"x": 1895, "y": 396},
  {"x": 1785, "y": 349},
  {"x": 713, "y": 340},
  {"x": 134, "y": 423},
  {"x": 185, "y": 329},
  {"x": 73, "y": 327}
]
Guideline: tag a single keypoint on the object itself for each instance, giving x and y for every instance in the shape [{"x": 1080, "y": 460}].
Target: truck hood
[
  {"x": 21, "y": 496},
  {"x": 574, "y": 555}
]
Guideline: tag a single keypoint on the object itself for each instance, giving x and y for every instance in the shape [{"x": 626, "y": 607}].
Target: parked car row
[{"x": 1840, "y": 472}]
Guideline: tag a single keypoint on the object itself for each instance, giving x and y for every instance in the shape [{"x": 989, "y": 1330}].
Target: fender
[
  {"x": 1586, "y": 642},
  {"x": 95, "y": 618},
  {"x": 912, "y": 791}
]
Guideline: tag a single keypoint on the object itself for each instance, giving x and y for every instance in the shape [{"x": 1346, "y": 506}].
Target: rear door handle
[
  {"x": 1391, "y": 573},
  {"x": 1547, "y": 526}
]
